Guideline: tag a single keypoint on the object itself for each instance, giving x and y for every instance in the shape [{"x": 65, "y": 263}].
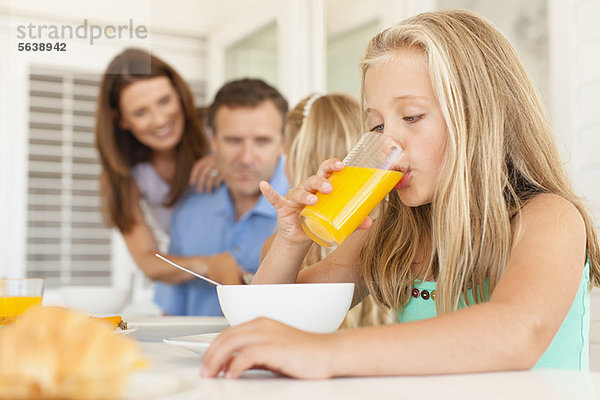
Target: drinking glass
[
  {"x": 17, "y": 295},
  {"x": 371, "y": 170}
]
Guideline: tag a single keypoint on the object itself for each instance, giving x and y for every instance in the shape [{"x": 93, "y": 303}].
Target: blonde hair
[
  {"x": 331, "y": 126},
  {"x": 500, "y": 153},
  {"x": 319, "y": 128},
  {"x": 326, "y": 128}
]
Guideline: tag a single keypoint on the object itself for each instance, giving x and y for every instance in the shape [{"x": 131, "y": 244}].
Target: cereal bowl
[{"x": 312, "y": 307}]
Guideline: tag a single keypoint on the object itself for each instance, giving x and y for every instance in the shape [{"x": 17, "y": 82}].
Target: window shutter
[{"x": 67, "y": 241}]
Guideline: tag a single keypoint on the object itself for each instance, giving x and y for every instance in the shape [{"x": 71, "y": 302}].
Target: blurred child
[{"x": 318, "y": 128}]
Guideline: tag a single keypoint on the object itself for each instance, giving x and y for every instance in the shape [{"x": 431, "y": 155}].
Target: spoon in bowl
[{"x": 188, "y": 271}]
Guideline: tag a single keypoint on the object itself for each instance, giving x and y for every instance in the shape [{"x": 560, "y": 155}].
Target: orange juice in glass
[
  {"x": 370, "y": 172},
  {"x": 17, "y": 295}
]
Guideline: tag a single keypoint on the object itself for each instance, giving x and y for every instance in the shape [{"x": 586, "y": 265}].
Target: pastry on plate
[{"x": 55, "y": 353}]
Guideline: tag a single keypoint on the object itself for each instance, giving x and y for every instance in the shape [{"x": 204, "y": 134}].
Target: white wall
[
  {"x": 300, "y": 52},
  {"x": 13, "y": 125},
  {"x": 183, "y": 18},
  {"x": 303, "y": 27},
  {"x": 575, "y": 85},
  {"x": 575, "y": 89},
  {"x": 343, "y": 15}
]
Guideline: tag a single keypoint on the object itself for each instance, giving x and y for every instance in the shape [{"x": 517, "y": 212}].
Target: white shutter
[{"x": 67, "y": 241}]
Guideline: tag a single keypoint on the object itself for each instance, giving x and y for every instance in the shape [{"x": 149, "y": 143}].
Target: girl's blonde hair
[
  {"x": 500, "y": 152},
  {"x": 327, "y": 128},
  {"x": 318, "y": 128}
]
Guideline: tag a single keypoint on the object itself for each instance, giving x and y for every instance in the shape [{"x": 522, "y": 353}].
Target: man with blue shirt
[{"x": 228, "y": 226}]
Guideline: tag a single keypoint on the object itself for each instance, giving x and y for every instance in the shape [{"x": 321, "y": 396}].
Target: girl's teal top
[{"x": 569, "y": 348}]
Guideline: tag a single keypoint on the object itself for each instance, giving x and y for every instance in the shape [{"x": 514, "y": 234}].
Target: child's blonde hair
[
  {"x": 500, "y": 152},
  {"x": 318, "y": 128}
]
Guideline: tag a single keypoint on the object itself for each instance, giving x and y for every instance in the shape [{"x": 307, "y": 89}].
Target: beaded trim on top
[
  {"x": 424, "y": 294},
  {"x": 309, "y": 103}
]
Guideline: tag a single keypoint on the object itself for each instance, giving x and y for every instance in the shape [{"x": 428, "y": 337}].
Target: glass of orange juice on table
[
  {"x": 371, "y": 170},
  {"x": 17, "y": 295}
]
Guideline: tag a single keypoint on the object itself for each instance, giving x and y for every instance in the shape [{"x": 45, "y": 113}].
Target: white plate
[
  {"x": 159, "y": 327},
  {"x": 196, "y": 343}
]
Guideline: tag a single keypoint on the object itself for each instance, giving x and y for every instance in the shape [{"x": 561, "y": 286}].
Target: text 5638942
[{"x": 42, "y": 46}]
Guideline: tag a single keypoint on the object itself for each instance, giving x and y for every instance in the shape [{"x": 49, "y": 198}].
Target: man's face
[{"x": 248, "y": 143}]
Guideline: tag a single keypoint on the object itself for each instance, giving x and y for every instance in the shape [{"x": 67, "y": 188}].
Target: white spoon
[{"x": 188, "y": 271}]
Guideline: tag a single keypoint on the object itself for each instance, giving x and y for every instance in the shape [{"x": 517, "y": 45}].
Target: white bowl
[
  {"x": 95, "y": 299},
  {"x": 313, "y": 307}
]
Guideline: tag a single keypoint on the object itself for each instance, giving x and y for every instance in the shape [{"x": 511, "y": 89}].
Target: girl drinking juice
[{"x": 483, "y": 249}]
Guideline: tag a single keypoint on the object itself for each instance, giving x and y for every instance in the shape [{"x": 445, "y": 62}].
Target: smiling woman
[
  {"x": 149, "y": 137},
  {"x": 151, "y": 111}
]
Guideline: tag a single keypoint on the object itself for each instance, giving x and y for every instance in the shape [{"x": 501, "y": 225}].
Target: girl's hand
[
  {"x": 268, "y": 344},
  {"x": 205, "y": 175},
  {"x": 289, "y": 207}
]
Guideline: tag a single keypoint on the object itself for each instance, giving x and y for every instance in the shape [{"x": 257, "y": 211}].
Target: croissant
[{"x": 54, "y": 353}]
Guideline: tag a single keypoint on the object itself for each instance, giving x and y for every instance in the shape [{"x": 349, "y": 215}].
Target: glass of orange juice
[
  {"x": 371, "y": 170},
  {"x": 17, "y": 295}
]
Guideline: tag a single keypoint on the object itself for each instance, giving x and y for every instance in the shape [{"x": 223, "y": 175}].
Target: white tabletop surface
[{"x": 174, "y": 374}]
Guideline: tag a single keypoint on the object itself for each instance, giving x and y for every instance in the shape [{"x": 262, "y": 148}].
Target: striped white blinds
[{"x": 67, "y": 242}]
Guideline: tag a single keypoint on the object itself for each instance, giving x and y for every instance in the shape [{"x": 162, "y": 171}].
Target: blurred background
[{"x": 50, "y": 222}]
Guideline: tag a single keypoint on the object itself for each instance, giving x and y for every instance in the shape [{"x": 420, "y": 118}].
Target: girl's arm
[
  {"x": 290, "y": 245},
  {"x": 283, "y": 262},
  {"x": 266, "y": 247},
  {"x": 510, "y": 331}
]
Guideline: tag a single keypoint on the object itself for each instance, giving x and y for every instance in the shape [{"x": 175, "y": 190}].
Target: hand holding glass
[{"x": 370, "y": 172}]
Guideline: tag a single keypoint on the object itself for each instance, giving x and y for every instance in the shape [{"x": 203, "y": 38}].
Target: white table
[{"x": 174, "y": 374}]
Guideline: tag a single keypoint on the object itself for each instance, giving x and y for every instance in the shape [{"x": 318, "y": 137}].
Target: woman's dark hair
[{"x": 119, "y": 150}]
